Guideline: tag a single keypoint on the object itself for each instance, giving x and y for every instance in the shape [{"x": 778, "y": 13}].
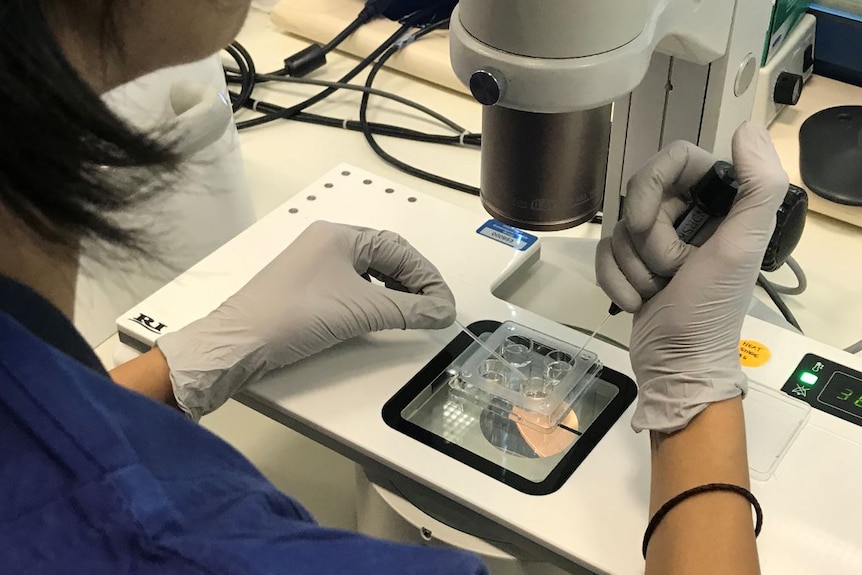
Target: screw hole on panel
[
  {"x": 390, "y": 191},
  {"x": 345, "y": 173},
  {"x": 367, "y": 182},
  {"x": 311, "y": 198},
  {"x": 329, "y": 185},
  {"x": 293, "y": 211},
  {"x": 412, "y": 200}
]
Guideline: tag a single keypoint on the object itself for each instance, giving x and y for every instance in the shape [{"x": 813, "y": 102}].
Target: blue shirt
[{"x": 95, "y": 479}]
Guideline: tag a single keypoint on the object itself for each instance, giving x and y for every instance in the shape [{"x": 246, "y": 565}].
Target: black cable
[
  {"x": 313, "y": 57},
  {"x": 245, "y": 63},
  {"x": 472, "y": 140},
  {"x": 369, "y": 136},
  {"x": 366, "y": 89},
  {"x": 246, "y": 72},
  {"x": 778, "y": 301},
  {"x": 361, "y": 20},
  {"x": 293, "y": 110},
  {"x": 371, "y": 10}
]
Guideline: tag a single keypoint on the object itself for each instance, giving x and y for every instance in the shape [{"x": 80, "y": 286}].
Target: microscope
[{"x": 578, "y": 94}]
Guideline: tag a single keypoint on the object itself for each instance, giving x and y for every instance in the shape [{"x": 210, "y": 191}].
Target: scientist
[{"x": 98, "y": 478}]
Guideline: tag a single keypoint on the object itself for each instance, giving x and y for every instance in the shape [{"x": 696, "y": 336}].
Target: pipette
[{"x": 593, "y": 335}]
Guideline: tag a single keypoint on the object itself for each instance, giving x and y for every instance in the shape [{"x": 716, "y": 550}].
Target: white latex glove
[
  {"x": 689, "y": 302},
  {"x": 311, "y": 297}
]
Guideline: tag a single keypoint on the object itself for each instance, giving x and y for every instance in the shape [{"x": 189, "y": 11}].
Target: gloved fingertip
[
  {"x": 627, "y": 303},
  {"x": 440, "y": 314},
  {"x": 763, "y": 180},
  {"x": 446, "y": 320},
  {"x": 751, "y": 130},
  {"x": 420, "y": 311},
  {"x": 754, "y": 154}
]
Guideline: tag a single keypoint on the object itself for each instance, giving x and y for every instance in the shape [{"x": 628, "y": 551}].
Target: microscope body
[{"x": 567, "y": 91}]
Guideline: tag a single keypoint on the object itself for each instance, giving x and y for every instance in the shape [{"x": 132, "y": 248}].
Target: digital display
[
  {"x": 843, "y": 392},
  {"x": 827, "y": 386}
]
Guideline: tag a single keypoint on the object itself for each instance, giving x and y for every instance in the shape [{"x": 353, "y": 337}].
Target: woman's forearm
[
  {"x": 710, "y": 533},
  {"x": 148, "y": 375}
]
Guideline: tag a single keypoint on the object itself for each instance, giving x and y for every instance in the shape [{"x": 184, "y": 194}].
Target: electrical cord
[
  {"x": 244, "y": 62},
  {"x": 313, "y": 57},
  {"x": 369, "y": 136},
  {"x": 378, "y": 129},
  {"x": 368, "y": 90},
  {"x": 775, "y": 291},
  {"x": 246, "y": 73},
  {"x": 464, "y": 138},
  {"x": 371, "y": 10},
  {"x": 802, "y": 285},
  {"x": 367, "y": 61},
  {"x": 778, "y": 301},
  {"x": 361, "y": 20},
  {"x": 801, "y": 280}
]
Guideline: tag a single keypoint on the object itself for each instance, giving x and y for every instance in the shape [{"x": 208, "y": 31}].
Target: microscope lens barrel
[{"x": 544, "y": 172}]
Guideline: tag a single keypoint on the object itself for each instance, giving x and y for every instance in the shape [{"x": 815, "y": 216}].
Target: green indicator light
[{"x": 808, "y": 378}]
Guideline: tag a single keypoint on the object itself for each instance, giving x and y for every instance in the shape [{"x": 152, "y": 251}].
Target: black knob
[
  {"x": 789, "y": 225},
  {"x": 487, "y": 86},
  {"x": 788, "y": 88}
]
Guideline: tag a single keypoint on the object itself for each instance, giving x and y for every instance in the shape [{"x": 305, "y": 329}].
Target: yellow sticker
[{"x": 753, "y": 353}]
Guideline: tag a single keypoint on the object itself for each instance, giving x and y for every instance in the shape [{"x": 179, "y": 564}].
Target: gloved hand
[
  {"x": 311, "y": 297},
  {"x": 689, "y": 302}
]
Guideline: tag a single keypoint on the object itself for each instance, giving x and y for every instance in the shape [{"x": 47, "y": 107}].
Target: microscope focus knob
[
  {"x": 788, "y": 88},
  {"x": 487, "y": 86}
]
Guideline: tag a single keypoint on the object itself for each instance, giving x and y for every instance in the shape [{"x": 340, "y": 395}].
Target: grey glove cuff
[
  {"x": 668, "y": 403},
  {"x": 204, "y": 378}
]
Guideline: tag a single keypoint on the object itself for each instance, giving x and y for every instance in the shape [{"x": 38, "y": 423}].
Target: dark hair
[{"x": 69, "y": 167}]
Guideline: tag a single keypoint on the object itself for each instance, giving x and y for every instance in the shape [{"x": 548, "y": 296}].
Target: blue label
[{"x": 512, "y": 237}]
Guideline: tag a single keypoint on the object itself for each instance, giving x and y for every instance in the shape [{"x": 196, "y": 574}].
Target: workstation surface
[{"x": 282, "y": 159}]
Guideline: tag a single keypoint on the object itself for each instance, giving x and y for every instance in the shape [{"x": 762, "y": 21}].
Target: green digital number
[
  {"x": 858, "y": 402},
  {"x": 845, "y": 395}
]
